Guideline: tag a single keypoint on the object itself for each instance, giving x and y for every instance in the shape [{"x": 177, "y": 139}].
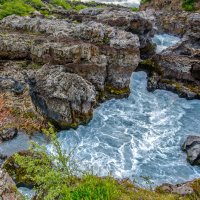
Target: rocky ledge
[
  {"x": 58, "y": 70},
  {"x": 178, "y": 68}
]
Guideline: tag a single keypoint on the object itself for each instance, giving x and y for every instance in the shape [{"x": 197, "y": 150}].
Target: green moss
[
  {"x": 179, "y": 85},
  {"x": 17, "y": 172},
  {"x": 46, "y": 13},
  {"x": 17, "y": 7},
  {"x": 188, "y": 5},
  {"x": 77, "y": 119},
  {"x": 134, "y": 9},
  {"x": 145, "y": 1},
  {"x": 150, "y": 66},
  {"x": 106, "y": 40},
  {"x": 79, "y": 7},
  {"x": 112, "y": 90},
  {"x": 30, "y": 115},
  {"x": 194, "y": 88}
]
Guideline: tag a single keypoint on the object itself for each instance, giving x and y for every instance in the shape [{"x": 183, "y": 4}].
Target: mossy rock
[
  {"x": 19, "y": 174},
  {"x": 112, "y": 90},
  {"x": 150, "y": 66}
]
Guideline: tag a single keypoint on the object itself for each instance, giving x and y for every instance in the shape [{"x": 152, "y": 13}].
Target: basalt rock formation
[{"x": 63, "y": 67}]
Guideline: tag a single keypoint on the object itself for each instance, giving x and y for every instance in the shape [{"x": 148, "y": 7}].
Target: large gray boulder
[
  {"x": 8, "y": 134},
  {"x": 64, "y": 98},
  {"x": 192, "y": 148}
]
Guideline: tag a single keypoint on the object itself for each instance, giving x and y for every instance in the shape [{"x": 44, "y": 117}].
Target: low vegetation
[
  {"x": 26, "y": 7},
  {"x": 144, "y": 1}
]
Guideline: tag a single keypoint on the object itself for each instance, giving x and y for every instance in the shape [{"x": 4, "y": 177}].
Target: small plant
[
  {"x": 148, "y": 181},
  {"x": 188, "y": 5},
  {"x": 17, "y": 7},
  {"x": 134, "y": 9}
]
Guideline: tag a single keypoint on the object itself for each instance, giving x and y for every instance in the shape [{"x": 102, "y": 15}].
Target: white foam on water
[
  {"x": 128, "y": 3},
  {"x": 164, "y": 41},
  {"x": 138, "y": 136}
]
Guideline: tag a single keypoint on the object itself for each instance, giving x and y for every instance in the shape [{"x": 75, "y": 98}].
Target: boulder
[
  {"x": 65, "y": 98},
  {"x": 8, "y": 134},
  {"x": 8, "y": 190},
  {"x": 180, "y": 189},
  {"x": 87, "y": 44},
  {"x": 192, "y": 147}
]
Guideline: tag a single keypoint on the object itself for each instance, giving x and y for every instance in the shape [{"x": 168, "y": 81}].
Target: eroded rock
[
  {"x": 8, "y": 190},
  {"x": 179, "y": 65},
  {"x": 180, "y": 189},
  {"x": 192, "y": 148},
  {"x": 97, "y": 61},
  {"x": 65, "y": 98},
  {"x": 8, "y": 134}
]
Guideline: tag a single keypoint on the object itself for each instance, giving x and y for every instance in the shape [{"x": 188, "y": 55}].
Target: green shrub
[
  {"x": 62, "y": 3},
  {"x": 92, "y": 187},
  {"x": 37, "y": 4},
  {"x": 79, "y": 7},
  {"x": 134, "y": 9},
  {"x": 188, "y": 5},
  {"x": 17, "y": 7}
]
